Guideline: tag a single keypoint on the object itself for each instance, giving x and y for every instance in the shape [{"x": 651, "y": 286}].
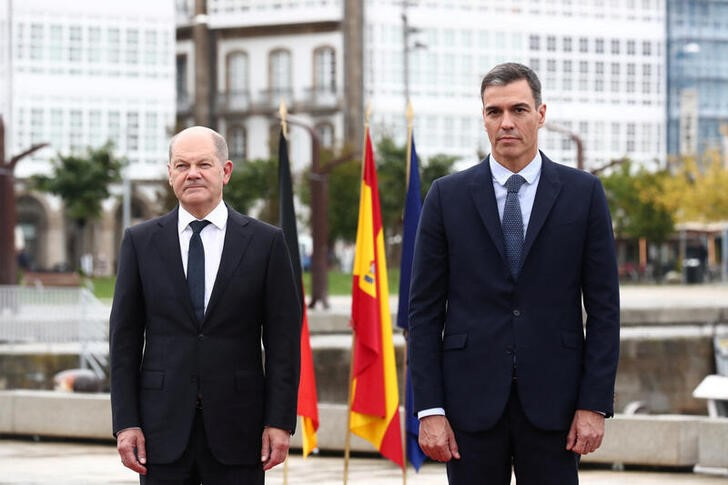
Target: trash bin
[{"x": 692, "y": 270}]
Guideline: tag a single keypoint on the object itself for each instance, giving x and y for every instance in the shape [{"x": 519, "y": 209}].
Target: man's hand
[
  {"x": 586, "y": 432},
  {"x": 132, "y": 450},
  {"x": 275, "y": 447},
  {"x": 437, "y": 439}
]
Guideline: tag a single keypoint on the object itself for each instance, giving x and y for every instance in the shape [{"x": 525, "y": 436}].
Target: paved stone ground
[{"x": 28, "y": 462}]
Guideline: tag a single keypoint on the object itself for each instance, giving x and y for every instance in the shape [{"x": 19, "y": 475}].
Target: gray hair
[
  {"x": 509, "y": 72},
  {"x": 221, "y": 148}
]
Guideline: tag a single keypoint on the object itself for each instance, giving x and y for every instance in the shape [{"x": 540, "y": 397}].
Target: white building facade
[
  {"x": 601, "y": 64},
  {"x": 78, "y": 74},
  {"x": 263, "y": 52}
]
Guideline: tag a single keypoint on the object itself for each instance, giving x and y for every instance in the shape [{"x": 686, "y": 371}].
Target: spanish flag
[
  {"x": 307, "y": 399},
  {"x": 374, "y": 399}
]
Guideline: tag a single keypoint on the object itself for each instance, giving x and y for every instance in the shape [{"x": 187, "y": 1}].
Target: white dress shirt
[
  {"x": 213, "y": 237},
  {"x": 526, "y": 196}
]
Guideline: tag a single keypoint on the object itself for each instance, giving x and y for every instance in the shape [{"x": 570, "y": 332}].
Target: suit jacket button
[
  {"x": 516, "y": 313},
  {"x": 201, "y": 336}
]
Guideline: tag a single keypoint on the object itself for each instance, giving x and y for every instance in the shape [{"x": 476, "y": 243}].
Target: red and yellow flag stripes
[
  {"x": 307, "y": 399},
  {"x": 374, "y": 405}
]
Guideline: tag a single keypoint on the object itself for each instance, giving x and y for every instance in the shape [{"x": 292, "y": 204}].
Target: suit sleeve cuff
[{"x": 430, "y": 412}]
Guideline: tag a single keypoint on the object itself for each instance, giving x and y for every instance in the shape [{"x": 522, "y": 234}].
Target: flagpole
[
  {"x": 285, "y": 470},
  {"x": 283, "y": 112},
  {"x": 347, "y": 442},
  {"x": 410, "y": 117}
]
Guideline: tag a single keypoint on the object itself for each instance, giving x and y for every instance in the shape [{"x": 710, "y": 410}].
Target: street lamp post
[
  {"x": 8, "y": 212},
  {"x": 573, "y": 137},
  {"x": 407, "y": 47},
  {"x": 319, "y": 182}
]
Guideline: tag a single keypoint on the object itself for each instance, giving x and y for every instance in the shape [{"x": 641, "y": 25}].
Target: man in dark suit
[
  {"x": 504, "y": 377},
  {"x": 193, "y": 400}
]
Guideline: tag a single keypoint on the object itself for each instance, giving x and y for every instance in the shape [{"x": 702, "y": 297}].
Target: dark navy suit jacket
[
  {"x": 470, "y": 321},
  {"x": 161, "y": 357}
]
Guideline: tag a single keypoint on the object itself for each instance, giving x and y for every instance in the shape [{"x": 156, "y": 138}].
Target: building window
[
  {"x": 325, "y": 132},
  {"x": 615, "y": 46},
  {"x": 599, "y": 46},
  {"x": 631, "y": 128},
  {"x": 132, "y": 131},
  {"x": 56, "y": 43},
  {"x": 150, "y": 47},
  {"x": 76, "y": 124},
  {"x": 94, "y": 44},
  {"x": 36, "y": 125},
  {"x": 132, "y": 46},
  {"x": 237, "y": 72},
  {"x": 151, "y": 140},
  {"x": 534, "y": 42},
  {"x": 237, "y": 86},
  {"x": 74, "y": 46},
  {"x": 36, "y": 41},
  {"x": 182, "y": 94},
  {"x": 237, "y": 142},
  {"x": 567, "y": 44},
  {"x": 114, "y": 46},
  {"x": 56, "y": 129},
  {"x": 551, "y": 43},
  {"x": 280, "y": 74},
  {"x": 631, "y": 49},
  {"x": 114, "y": 120},
  {"x": 646, "y": 48},
  {"x": 583, "y": 44},
  {"x": 324, "y": 73}
]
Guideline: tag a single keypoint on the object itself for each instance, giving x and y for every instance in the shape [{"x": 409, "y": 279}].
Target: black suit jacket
[
  {"x": 470, "y": 321},
  {"x": 161, "y": 357}
]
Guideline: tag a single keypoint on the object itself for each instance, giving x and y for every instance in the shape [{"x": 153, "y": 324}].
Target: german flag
[{"x": 307, "y": 399}]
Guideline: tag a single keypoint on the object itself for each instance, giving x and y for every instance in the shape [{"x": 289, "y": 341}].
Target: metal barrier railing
[{"x": 55, "y": 315}]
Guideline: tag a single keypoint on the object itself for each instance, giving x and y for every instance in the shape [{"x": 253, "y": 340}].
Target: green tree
[
  {"x": 636, "y": 202},
  {"x": 697, "y": 191},
  {"x": 437, "y": 166},
  {"x": 253, "y": 182},
  {"x": 82, "y": 182},
  {"x": 345, "y": 186}
]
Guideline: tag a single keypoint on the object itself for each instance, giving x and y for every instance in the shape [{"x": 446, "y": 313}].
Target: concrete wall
[
  {"x": 661, "y": 371},
  {"x": 663, "y": 440}
]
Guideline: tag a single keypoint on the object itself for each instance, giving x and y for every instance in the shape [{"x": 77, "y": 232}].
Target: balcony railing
[{"x": 312, "y": 99}]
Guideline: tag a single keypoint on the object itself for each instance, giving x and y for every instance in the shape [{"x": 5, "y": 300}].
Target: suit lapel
[
  {"x": 166, "y": 242},
  {"x": 237, "y": 239},
  {"x": 548, "y": 189},
  {"x": 483, "y": 194}
]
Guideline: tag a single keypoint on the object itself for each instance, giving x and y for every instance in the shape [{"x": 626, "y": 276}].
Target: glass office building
[{"x": 697, "y": 67}]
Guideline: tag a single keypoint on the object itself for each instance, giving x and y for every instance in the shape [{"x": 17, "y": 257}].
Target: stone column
[{"x": 353, "y": 31}]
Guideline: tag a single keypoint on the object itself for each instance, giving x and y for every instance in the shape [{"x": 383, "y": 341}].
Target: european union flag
[{"x": 412, "y": 209}]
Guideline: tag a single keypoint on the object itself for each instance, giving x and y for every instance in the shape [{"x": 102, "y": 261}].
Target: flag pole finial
[{"x": 283, "y": 111}]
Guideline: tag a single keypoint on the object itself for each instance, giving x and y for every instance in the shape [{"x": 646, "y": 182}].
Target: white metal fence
[{"x": 55, "y": 315}]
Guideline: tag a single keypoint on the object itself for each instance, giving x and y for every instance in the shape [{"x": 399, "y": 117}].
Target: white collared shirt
[
  {"x": 213, "y": 238},
  {"x": 527, "y": 193}
]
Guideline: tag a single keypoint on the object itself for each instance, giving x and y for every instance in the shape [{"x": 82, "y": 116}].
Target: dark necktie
[
  {"x": 196, "y": 269},
  {"x": 513, "y": 224}
]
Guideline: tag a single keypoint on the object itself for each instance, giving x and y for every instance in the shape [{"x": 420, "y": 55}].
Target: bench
[{"x": 714, "y": 388}]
